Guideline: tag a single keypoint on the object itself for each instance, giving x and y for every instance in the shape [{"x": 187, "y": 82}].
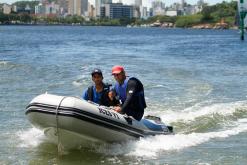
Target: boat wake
[
  {"x": 193, "y": 126},
  {"x": 192, "y": 113},
  {"x": 152, "y": 147},
  {"x": 31, "y": 137}
]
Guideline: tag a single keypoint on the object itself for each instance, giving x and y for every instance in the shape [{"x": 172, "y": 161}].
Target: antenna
[{"x": 242, "y": 13}]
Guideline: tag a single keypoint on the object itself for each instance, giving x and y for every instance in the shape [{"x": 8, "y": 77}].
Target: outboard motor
[{"x": 155, "y": 123}]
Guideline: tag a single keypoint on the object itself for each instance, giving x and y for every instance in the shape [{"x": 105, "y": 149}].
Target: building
[
  {"x": 138, "y": 3},
  {"x": 74, "y": 7},
  {"x": 150, "y": 12},
  {"x": 27, "y": 9},
  {"x": 99, "y": 4},
  {"x": 63, "y": 4},
  {"x": 84, "y": 7},
  {"x": 47, "y": 9},
  {"x": 1, "y": 8},
  {"x": 78, "y": 7},
  {"x": 175, "y": 6},
  {"x": 193, "y": 9},
  {"x": 158, "y": 7},
  {"x": 39, "y": 9},
  {"x": 172, "y": 13},
  {"x": 52, "y": 9},
  {"x": 144, "y": 12},
  {"x": 136, "y": 12},
  {"x": 14, "y": 8},
  {"x": 158, "y": 4},
  {"x": 182, "y": 4},
  {"x": 91, "y": 11},
  {"x": 6, "y": 8},
  {"x": 137, "y": 8},
  {"x": 97, "y": 7},
  {"x": 117, "y": 10}
]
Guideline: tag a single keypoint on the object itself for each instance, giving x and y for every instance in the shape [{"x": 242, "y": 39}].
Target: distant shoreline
[{"x": 192, "y": 28}]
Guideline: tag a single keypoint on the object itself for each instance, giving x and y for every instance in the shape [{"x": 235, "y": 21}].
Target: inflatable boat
[{"x": 73, "y": 121}]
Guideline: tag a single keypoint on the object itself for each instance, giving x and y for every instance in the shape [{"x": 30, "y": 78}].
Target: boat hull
[{"x": 74, "y": 121}]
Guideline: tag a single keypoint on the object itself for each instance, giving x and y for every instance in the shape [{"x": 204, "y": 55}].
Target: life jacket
[
  {"x": 104, "y": 100},
  {"x": 122, "y": 92},
  {"x": 140, "y": 94}
]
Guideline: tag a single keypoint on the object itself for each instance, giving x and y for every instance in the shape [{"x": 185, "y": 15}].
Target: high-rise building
[
  {"x": 98, "y": 5},
  {"x": 51, "y": 8},
  {"x": 137, "y": 8},
  {"x": 144, "y": 12},
  {"x": 136, "y": 12},
  {"x": 158, "y": 4},
  {"x": 63, "y": 6},
  {"x": 77, "y": 7},
  {"x": 182, "y": 4},
  {"x": 117, "y": 10},
  {"x": 47, "y": 9},
  {"x": 74, "y": 7},
  {"x": 91, "y": 10},
  {"x": 106, "y": 1},
  {"x": 138, "y": 3},
  {"x": 158, "y": 7},
  {"x": 84, "y": 7}
]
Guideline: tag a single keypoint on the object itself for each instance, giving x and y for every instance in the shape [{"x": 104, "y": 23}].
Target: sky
[{"x": 145, "y": 2}]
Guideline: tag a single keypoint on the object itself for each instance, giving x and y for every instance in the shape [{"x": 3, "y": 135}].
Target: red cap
[{"x": 117, "y": 69}]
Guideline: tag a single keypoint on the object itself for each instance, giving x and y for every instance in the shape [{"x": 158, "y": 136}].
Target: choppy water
[{"x": 194, "y": 79}]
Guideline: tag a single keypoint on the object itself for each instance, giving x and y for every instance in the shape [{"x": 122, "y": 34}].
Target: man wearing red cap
[{"x": 130, "y": 93}]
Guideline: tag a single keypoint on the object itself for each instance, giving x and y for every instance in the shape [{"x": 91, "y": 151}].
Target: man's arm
[
  {"x": 131, "y": 90},
  {"x": 85, "y": 95},
  {"x": 112, "y": 93}
]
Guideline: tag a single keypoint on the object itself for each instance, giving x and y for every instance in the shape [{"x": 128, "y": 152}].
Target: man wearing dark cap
[
  {"x": 98, "y": 93},
  {"x": 130, "y": 92}
]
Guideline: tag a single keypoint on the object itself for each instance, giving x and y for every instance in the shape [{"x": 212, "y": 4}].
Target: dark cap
[{"x": 96, "y": 70}]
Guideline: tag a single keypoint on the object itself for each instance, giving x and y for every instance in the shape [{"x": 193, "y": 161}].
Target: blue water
[{"x": 194, "y": 80}]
